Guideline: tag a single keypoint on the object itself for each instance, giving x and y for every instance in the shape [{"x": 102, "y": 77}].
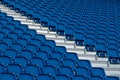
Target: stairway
[{"x": 110, "y": 69}]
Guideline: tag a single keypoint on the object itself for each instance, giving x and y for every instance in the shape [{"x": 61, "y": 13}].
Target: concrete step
[
  {"x": 92, "y": 53},
  {"x": 67, "y": 45},
  {"x": 20, "y": 19},
  {"x": 57, "y": 40},
  {"x": 78, "y": 51},
  {"x": 88, "y": 57},
  {"x": 100, "y": 64},
  {"x": 113, "y": 72}
]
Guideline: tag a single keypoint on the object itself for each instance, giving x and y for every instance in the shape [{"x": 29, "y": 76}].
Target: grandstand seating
[
  {"x": 89, "y": 22},
  {"x": 25, "y": 55}
]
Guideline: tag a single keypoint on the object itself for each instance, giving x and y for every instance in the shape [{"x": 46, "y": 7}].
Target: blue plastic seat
[
  {"x": 24, "y": 76},
  {"x": 6, "y": 76},
  {"x": 3, "y": 47},
  {"x": 44, "y": 77},
  {"x": 89, "y": 45},
  {"x": 79, "y": 78},
  {"x": 1, "y": 68},
  {"x": 5, "y": 60},
  {"x": 11, "y": 53},
  {"x": 3, "y": 21},
  {"x": 69, "y": 63},
  {"x": 32, "y": 33},
  {"x": 16, "y": 23},
  {"x": 31, "y": 47},
  {"x": 84, "y": 63},
  {"x": 72, "y": 56},
  {"x": 32, "y": 69},
  {"x": 52, "y": 25},
  {"x": 60, "y": 49},
  {"x": 10, "y": 19},
  {"x": 30, "y": 14},
  {"x": 22, "y": 41},
  {"x": 24, "y": 28},
  {"x": 41, "y": 38},
  {"x": 50, "y": 70},
  {"x": 1, "y": 25},
  {"x": 8, "y": 40},
  {"x": 15, "y": 69},
  {"x": 50, "y": 43},
  {"x": 44, "y": 20},
  {"x": 94, "y": 72},
  {"x": 53, "y": 62},
  {"x": 101, "y": 50},
  {"x": 26, "y": 36},
  {"x": 6, "y": 31},
  {"x": 17, "y": 7},
  {"x": 26, "y": 53},
  {"x": 60, "y": 29},
  {"x": 17, "y": 47},
  {"x": 11, "y": 4},
  {"x": 41, "y": 54},
  {"x": 114, "y": 56},
  {"x": 69, "y": 32},
  {"x": 46, "y": 49},
  {"x": 95, "y": 78},
  {"x": 82, "y": 72},
  {"x": 57, "y": 55},
  {"x": 3, "y": 14},
  {"x": 36, "y": 17},
  {"x": 36, "y": 42},
  {"x": 10, "y": 26},
  {"x": 18, "y": 31},
  {"x": 37, "y": 61},
  {"x": 79, "y": 39},
  {"x": 21, "y": 60},
  {"x": 1, "y": 35},
  {"x": 65, "y": 71},
  {"x": 61, "y": 77},
  {"x": 14, "y": 36},
  {"x": 23, "y": 10}
]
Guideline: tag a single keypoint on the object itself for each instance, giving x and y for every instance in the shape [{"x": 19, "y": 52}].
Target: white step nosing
[
  {"x": 66, "y": 45},
  {"x": 112, "y": 72},
  {"x": 57, "y": 38},
  {"x": 26, "y": 23},
  {"x": 74, "y": 49},
  {"x": 69, "y": 44},
  {"x": 85, "y": 54},
  {"x": 36, "y": 26},
  {"x": 88, "y": 58},
  {"x": 40, "y": 30},
  {"x": 20, "y": 19},
  {"x": 50, "y": 36},
  {"x": 52, "y": 32},
  {"x": 60, "y": 36},
  {"x": 99, "y": 64},
  {"x": 16, "y": 16},
  {"x": 12, "y": 13}
]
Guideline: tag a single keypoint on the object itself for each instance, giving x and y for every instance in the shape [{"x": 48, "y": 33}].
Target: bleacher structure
[{"x": 59, "y": 40}]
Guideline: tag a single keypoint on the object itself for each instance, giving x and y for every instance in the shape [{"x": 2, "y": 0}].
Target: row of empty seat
[
  {"x": 90, "y": 23},
  {"x": 25, "y": 55}
]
